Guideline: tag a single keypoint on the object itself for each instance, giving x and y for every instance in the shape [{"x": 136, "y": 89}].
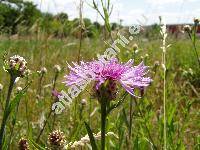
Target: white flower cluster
[
  {"x": 86, "y": 140},
  {"x": 16, "y": 65}
]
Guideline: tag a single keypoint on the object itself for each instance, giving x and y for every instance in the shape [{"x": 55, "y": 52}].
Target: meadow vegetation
[{"x": 46, "y": 40}]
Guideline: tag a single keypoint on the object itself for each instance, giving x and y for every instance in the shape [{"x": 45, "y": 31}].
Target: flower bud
[
  {"x": 196, "y": 20},
  {"x": 187, "y": 28},
  {"x": 23, "y": 144},
  {"x": 55, "y": 93},
  {"x": 135, "y": 47},
  {"x": 43, "y": 70},
  {"x": 156, "y": 63},
  {"x": 108, "y": 90},
  {"x": 19, "y": 89},
  {"x": 83, "y": 102},
  {"x": 56, "y": 139},
  {"x": 57, "y": 68}
]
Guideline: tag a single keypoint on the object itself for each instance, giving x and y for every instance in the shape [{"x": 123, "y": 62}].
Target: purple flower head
[{"x": 111, "y": 72}]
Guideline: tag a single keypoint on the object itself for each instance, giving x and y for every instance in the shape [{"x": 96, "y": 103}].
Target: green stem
[
  {"x": 194, "y": 44},
  {"x": 13, "y": 126},
  {"x": 103, "y": 124},
  {"x": 54, "y": 86},
  {"x": 45, "y": 123},
  {"x": 5, "y": 115},
  {"x": 130, "y": 117},
  {"x": 50, "y": 112}
]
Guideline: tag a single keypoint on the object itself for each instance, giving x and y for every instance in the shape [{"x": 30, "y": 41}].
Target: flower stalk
[
  {"x": 164, "y": 48},
  {"x": 6, "y": 114},
  {"x": 103, "y": 123},
  {"x": 16, "y": 67}
]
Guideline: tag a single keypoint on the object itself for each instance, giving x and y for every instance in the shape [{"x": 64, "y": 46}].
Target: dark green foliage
[
  {"x": 15, "y": 13},
  {"x": 22, "y": 17}
]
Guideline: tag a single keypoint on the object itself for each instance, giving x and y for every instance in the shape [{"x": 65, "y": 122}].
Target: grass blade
[{"x": 90, "y": 134}]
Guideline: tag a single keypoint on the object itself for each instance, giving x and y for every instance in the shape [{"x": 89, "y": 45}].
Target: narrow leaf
[
  {"x": 36, "y": 145},
  {"x": 90, "y": 134}
]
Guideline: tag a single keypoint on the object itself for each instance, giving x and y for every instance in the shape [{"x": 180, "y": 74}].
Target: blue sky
[{"x": 130, "y": 11}]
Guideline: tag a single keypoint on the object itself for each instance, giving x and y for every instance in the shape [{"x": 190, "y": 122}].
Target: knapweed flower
[
  {"x": 108, "y": 75},
  {"x": 16, "y": 66},
  {"x": 55, "y": 93}
]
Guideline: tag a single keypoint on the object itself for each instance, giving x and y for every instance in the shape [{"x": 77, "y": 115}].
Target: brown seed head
[
  {"x": 23, "y": 144},
  {"x": 56, "y": 139}
]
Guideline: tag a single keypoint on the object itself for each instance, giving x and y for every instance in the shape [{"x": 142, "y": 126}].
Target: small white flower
[{"x": 16, "y": 66}]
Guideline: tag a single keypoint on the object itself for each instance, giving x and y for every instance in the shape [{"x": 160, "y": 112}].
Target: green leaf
[
  {"x": 36, "y": 145},
  {"x": 172, "y": 111},
  {"x": 107, "y": 19},
  {"x": 117, "y": 104},
  {"x": 15, "y": 101},
  {"x": 125, "y": 118},
  {"x": 90, "y": 134}
]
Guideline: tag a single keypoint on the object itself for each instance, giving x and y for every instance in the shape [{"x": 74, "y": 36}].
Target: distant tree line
[{"x": 24, "y": 18}]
